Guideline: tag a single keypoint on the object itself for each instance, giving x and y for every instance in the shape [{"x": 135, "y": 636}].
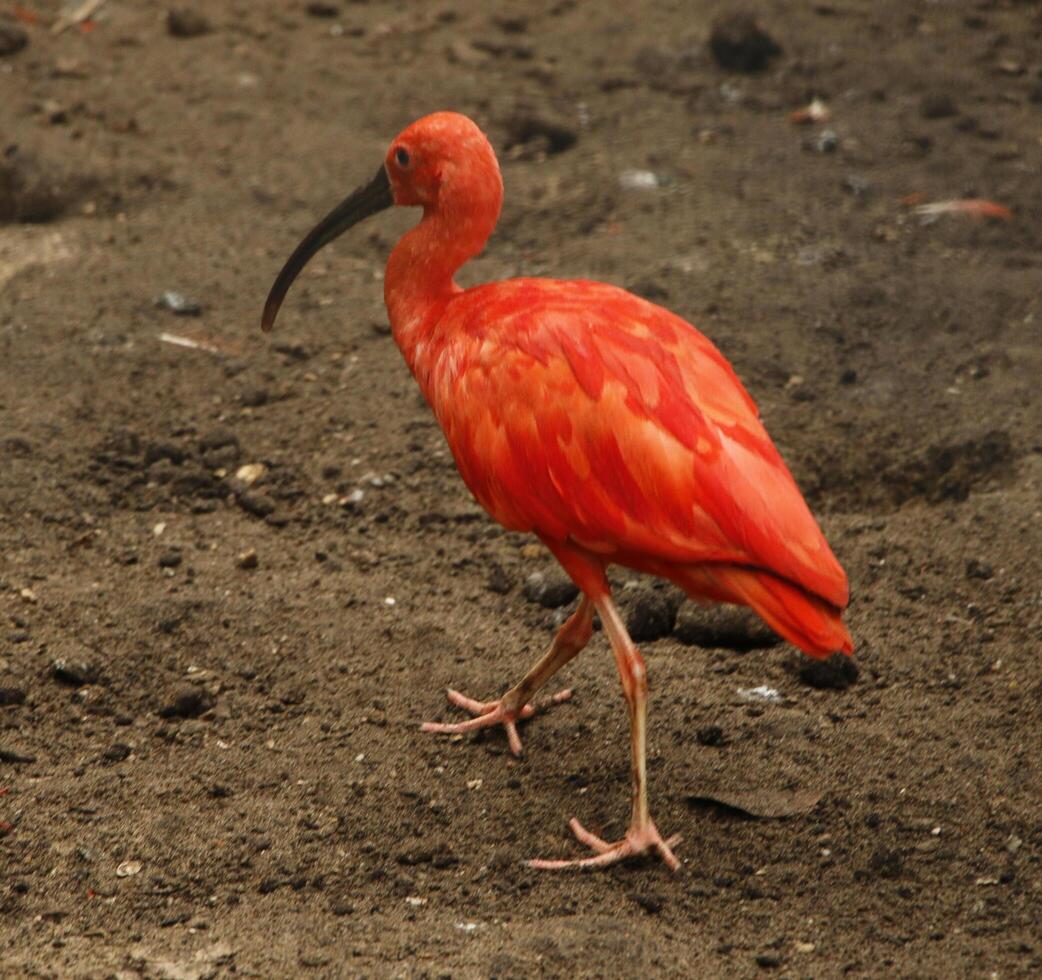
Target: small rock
[
  {"x": 498, "y": 580},
  {"x": 341, "y": 907},
  {"x": 651, "y": 902},
  {"x": 185, "y": 22},
  {"x": 317, "y": 9},
  {"x": 156, "y": 451},
  {"x": 254, "y": 397},
  {"x": 170, "y": 559},
  {"x": 731, "y": 627},
  {"x": 223, "y": 458},
  {"x": 11, "y": 695},
  {"x": 979, "y": 569},
  {"x": 836, "y": 673},
  {"x": 117, "y": 752},
  {"x": 293, "y": 349},
  {"x": 74, "y": 671},
  {"x": 178, "y": 304},
  {"x": 650, "y": 613},
  {"x": 937, "y": 105},
  {"x": 711, "y": 735},
  {"x": 739, "y": 42},
  {"x": 761, "y": 693},
  {"x": 12, "y": 39},
  {"x": 885, "y": 863},
  {"x": 462, "y": 52},
  {"x": 768, "y": 961},
  {"x": 247, "y": 560},
  {"x": 217, "y": 439},
  {"x": 639, "y": 180},
  {"x": 550, "y": 589},
  {"x": 249, "y": 474},
  {"x": 827, "y": 141},
  {"x": 187, "y": 702},
  {"x": 857, "y": 185},
  {"x": 128, "y": 869},
  {"x": 10, "y": 755},
  {"x": 258, "y": 504},
  {"x": 538, "y": 133}
]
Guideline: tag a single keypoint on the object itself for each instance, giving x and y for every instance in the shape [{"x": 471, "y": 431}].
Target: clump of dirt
[
  {"x": 943, "y": 472},
  {"x": 34, "y": 190}
]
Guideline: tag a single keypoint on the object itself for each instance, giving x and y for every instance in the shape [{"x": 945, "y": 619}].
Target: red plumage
[
  {"x": 597, "y": 420},
  {"x": 600, "y": 422}
]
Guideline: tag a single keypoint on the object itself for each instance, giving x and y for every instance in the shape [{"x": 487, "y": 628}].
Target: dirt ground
[{"x": 209, "y": 768}]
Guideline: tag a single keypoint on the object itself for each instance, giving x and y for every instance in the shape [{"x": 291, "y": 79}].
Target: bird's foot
[
  {"x": 490, "y": 713},
  {"x": 639, "y": 839}
]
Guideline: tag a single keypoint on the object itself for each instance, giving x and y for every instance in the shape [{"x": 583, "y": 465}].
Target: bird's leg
[
  {"x": 642, "y": 834},
  {"x": 516, "y": 705}
]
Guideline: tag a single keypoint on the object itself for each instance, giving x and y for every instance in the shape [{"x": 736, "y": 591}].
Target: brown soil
[{"x": 226, "y": 775}]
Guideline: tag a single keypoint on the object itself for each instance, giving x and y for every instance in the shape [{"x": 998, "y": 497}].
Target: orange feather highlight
[{"x": 585, "y": 414}]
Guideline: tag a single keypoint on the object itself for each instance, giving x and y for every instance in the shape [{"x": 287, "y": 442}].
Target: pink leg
[
  {"x": 515, "y": 705},
  {"x": 642, "y": 834}
]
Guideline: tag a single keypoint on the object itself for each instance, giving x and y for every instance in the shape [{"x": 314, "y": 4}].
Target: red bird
[{"x": 602, "y": 423}]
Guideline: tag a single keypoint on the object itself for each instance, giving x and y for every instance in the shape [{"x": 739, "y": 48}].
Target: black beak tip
[{"x": 367, "y": 200}]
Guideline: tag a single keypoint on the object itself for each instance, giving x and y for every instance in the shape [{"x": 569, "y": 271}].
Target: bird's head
[{"x": 443, "y": 163}]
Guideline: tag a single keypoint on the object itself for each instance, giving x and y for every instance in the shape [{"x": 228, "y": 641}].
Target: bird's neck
[{"x": 419, "y": 280}]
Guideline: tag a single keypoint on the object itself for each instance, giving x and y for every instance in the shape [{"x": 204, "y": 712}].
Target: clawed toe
[
  {"x": 487, "y": 714},
  {"x": 639, "y": 840}
]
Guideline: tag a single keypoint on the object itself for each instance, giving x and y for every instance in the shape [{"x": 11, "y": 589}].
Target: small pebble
[
  {"x": 722, "y": 626},
  {"x": 937, "y": 105},
  {"x": 170, "y": 559},
  {"x": 639, "y": 180},
  {"x": 13, "y": 756},
  {"x": 651, "y": 902},
  {"x": 550, "y": 589},
  {"x": 498, "y": 580},
  {"x": 258, "y": 504},
  {"x": 187, "y": 702},
  {"x": 247, "y": 560},
  {"x": 250, "y": 473},
  {"x": 827, "y": 141},
  {"x": 11, "y": 696},
  {"x": 117, "y": 752},
  {"x": 12, "y": 39},
  {"x": 649, "y": 613},
  {"x": 761, "y": 693},
  {"x": 711, "y": 735},
  {"x": 979, "y": 569},
  {"x": 836, "y": 673},
  {"x": 179, "y": 304},
  {"x": 739, "y": 42},
  {"x": 75, "y": 672},
  {"x": 128, "y": 869},
  {"x": 185, "y": 22}
]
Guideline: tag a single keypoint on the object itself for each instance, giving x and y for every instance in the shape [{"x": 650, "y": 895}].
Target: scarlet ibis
[{"x": 604, "y": 424}]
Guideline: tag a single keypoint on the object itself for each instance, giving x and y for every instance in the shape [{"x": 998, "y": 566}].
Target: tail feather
[{"x": 805, "y": 620}]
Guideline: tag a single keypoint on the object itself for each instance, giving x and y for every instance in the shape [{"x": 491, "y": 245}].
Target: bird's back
[{"x": 581, "y": 412}]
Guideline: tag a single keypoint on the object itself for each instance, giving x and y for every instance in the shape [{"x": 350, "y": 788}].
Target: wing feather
[{"x": 579, "y": 411}]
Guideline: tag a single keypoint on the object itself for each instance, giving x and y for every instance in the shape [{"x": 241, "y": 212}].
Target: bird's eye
[{"x": 401, "y": 156}]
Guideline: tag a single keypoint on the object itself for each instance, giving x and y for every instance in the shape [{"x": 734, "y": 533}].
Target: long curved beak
[{"x": 367, "y": 200}]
